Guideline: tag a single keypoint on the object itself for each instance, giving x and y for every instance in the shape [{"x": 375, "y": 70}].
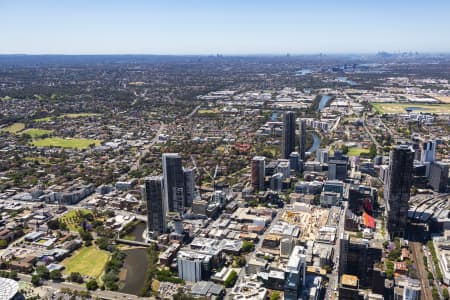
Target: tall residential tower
[
  {"x": 288, "y": 143},
  {"x": 302, "y": 145},
  {"x": 156, "y": 209},
  {"x": 174, "y": 194},
  {"x": 397, "y": 188}
]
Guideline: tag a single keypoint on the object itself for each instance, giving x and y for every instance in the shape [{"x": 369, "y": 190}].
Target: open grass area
[
  {"x": 357, "y": 151},
  {"x": 80, "y": 115},
  {"x": 45, "y": 119},
  {"x": 73, "y": 218},
  {"x": 14, "y": 128},
  {"x": 88, "y": 261},
  {"x": 72, "y": 116},
  {"x": 65, "y": 143},
  {"x": 208, "y": 111},
  {"x": 6, "y": 98},
  {"x": 398, "y": 108},
  {"x": 36, "y": 132}
]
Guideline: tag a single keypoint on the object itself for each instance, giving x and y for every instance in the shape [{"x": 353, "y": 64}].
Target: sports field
[
  {"x": 14, "y": 128},
  {"x": 398, "y": 108},
  {"x": 88, "y": 261},
  {"x": 36, "y": 132},
  {"x": 65, "y": 143},
  {"x": 357, "y": 151},
  {"x": 72, "y": 116}
]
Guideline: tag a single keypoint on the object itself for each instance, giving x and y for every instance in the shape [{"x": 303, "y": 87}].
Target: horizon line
[{"x": 285, "y": 54}]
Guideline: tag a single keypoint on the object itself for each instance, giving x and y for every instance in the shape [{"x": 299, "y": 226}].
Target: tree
[
  {"x": 92, "y": 285},
  {"x": 56, "y": 275},
  {"x": 373, "y": 151},
  {"x": 3, "y": 244},
  {"x": 247, "y": 246},
  {"x": 275, "y": 295},
  {"x": 43, "y": 272},
  {"x": 435, "y": 294},
  {"x": 445, "y": 294},
  {"x": 35, "y": 279},
  {"x": 76, "y": 277},
  {"x": 344, "y": 149},
  {"x": 231, "y": 279}
]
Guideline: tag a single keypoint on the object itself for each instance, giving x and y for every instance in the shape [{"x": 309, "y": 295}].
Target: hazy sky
[{"x": 225, "y": 26}]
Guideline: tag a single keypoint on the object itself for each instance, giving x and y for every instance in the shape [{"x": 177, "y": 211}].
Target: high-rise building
[
  {"x": 439, "y": 176},
  {"x": 295, "y": 273},
  {"x": 288, "y": 144},
  {"x": 428, "y": 155},
  {"x": 294, "y": 161},
  {"x": 156, "y": 209},
  {"x": 322, "y": 155},
  {"x": 411, "y": 289},
  {"x": 283, "y": 167},
  {"x": 258, "y": 172},
  {"x": 189, "y": 186},
  {"x": 428, "y": 151},
  {"x": 302, "y": 145},
  {"x": 337, "y": 169},
  {"x": 174, "y": 194},
  {"x": 397, "y": 188}
]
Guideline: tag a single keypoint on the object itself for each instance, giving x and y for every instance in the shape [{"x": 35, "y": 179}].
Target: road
[
  {"x": 370, "y": 133},
  {"x": 193, "y": 112},
  {"x": 421, "y": 270},
  {"x": 78, "y": 287},
  {"x": 147, "y": 147},
  {"x": 432, "y": 267}
]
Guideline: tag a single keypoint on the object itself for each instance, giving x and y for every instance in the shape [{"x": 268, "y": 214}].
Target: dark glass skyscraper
[
  {"x": 173, "y": 174},
  {"x": 288, "y": 145},
  {"x": 302, "y": 140},
  {"x": 156, "y": 210},
  {"x": 397, "y": 188}
]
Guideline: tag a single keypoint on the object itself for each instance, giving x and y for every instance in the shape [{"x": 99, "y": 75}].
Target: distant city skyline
[{"x": 229, "y": 27}]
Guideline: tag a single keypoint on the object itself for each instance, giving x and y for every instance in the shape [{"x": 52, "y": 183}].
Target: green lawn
[
  {"x": 80, "y": 115},
  {"x": 36, "y": 132},
  {"x": 77, "y": 115},
  {"x": 398, "y": 108},
  {"x": 45, "y": 119},
  {"x": 65, "y": 143},
  {"x": 357, "y": 151},
  {"x": 14, "y": 128},
  {"x": 209, "y": 111},
  {"x": 88, "y": 261},
  {"x": 72, "y": 219}
]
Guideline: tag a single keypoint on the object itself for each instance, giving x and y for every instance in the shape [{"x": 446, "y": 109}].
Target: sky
[{"x": 223, "y": 26}]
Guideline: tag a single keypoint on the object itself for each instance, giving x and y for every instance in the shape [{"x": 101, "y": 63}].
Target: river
[
  {"x": 135, "y": 263},
  {"x": 316, "y": 143},
  {"x": 323, "y": 102}
]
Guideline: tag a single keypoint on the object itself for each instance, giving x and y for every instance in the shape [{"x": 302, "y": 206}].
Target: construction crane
[
  {"x": 195, "y": 169},
  {"x": 213, "y": 178}
]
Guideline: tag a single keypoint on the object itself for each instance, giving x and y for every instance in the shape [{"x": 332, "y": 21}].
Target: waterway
[
  {"x": 323, "y": 102},
  {"x": 135, "y": 263},
  {"x": 316, "y": 143},
  {"x": 303, "y": 72},
  {"x": 346, "y": 80}
]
